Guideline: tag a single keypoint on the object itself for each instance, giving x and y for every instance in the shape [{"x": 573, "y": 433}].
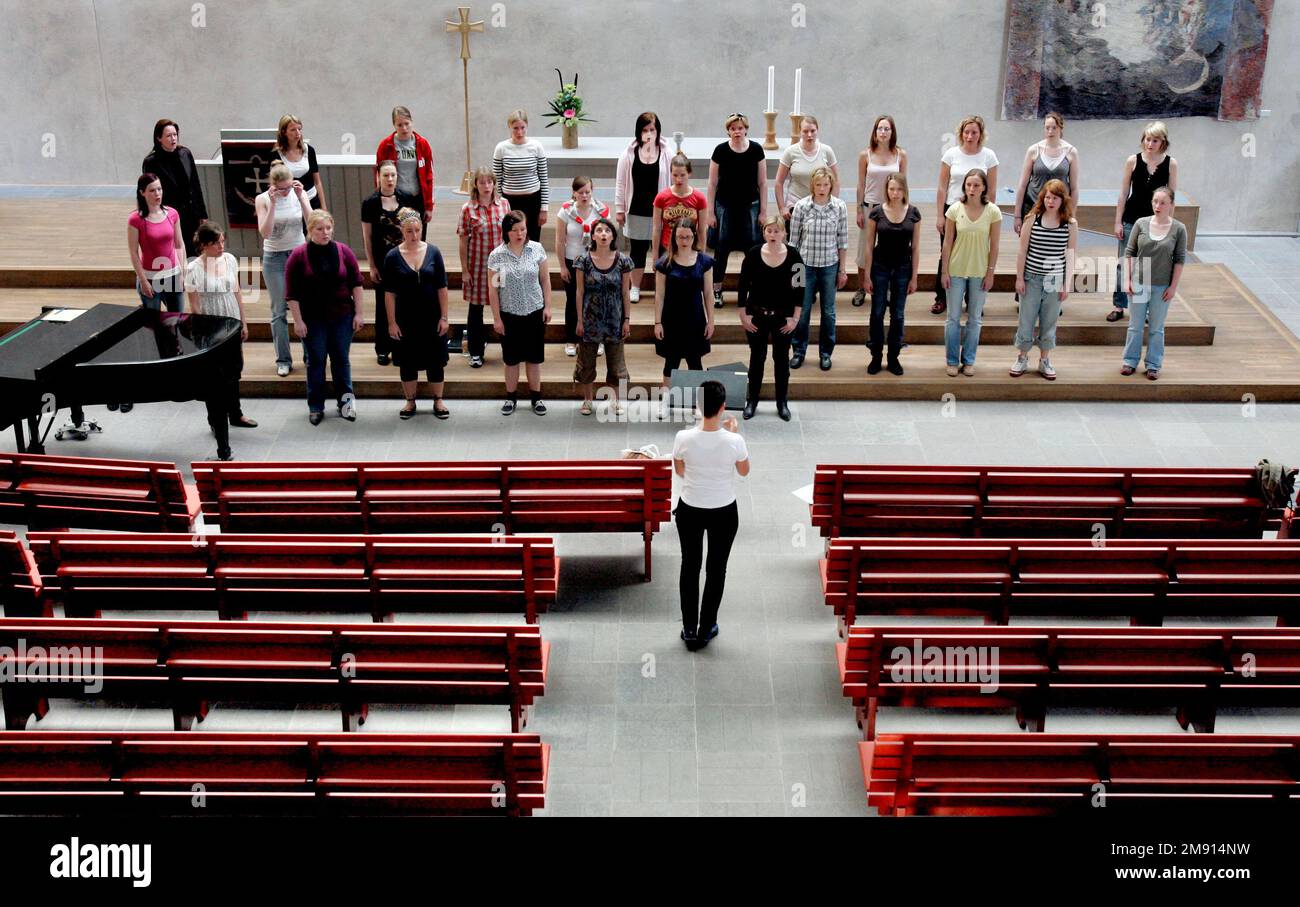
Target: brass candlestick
[
  {"x": 796, "y": 126},
  {"x": 769, "y": 140}
]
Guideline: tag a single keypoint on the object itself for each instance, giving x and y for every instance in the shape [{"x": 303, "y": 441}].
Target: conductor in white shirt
[{"x": 707, "y": 457}]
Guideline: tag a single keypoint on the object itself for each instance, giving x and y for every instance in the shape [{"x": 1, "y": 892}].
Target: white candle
[
  {"x": 798, "y": 86},
  {"x": 771, "y": 87}
]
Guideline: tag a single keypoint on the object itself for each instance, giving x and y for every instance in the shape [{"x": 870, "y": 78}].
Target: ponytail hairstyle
[{"x": 208, "y": 233}]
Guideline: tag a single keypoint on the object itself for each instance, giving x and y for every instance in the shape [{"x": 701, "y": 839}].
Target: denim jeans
[
  {"x": 1039, "y": 305},
  {"x": 273, "y": 273},
  {"x": 962, "y": 341},
  {"x": 1119, "y": 297},
  {"x": 736, "y": 231},
  {"x": 888, "y": 291},
  {"x": 815, "y": 280},
  {"x": 1149, "y": 307},
  {"x": 331, "y": 338},
  {"x": 172, "y": 299}
]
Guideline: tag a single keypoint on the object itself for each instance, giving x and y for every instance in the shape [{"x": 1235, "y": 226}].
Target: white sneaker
[
  {"x": 282, "y": 370},
  {"x": 1021, "y": 366},
  {"x": 635, "y": 295},
  {"x": 348, "y": 408},
  {"x": 1045, "y": 369},
  {"x": 570, "y": 349},
  {"x": 600, "y": 350}
]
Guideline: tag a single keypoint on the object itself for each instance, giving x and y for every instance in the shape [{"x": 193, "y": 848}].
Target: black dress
[
  {"x": 684, "y": 318},
  {"x": 418, "y": 312}
]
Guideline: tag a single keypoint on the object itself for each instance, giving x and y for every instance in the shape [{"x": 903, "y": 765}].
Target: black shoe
[
  {"x": 783, "y": 411},
  {"x": 826, "y": 362},
  {"x": 751, "y": 406},
  {"x": 873, "y": 367},
  {"x": 859, "y": 298},
  {"x": 112, "y": 407},
  {"x": 717, "y": 298},
  {"x": 508, "y": 407},
  {"x": 315, "y": 418},
  {"x": 796, "y": 360},
  {"x": 705, "y": 639},
  {"x": 382, "y": 359},
  {"x": 475, "y": 361},
  {"x": 407, "y": 411},
  {"x": 225, "y": 454},
  {"x": 688, "y": 637},
  {"x": 125, "y": 407},
  {"x": 539, "y": 407},
  {"x": 895, "y": 367}
]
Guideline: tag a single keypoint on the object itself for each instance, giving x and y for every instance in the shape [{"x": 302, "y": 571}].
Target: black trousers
[
  {"x": 693, "y": 524},
  {"x": 570, "y": 305},
  {"x": 769, "y": 332},
  {"x": 531, "y": 207},
  {"x": 476, "y": 334},
  {"x": 222, "y": 402}
]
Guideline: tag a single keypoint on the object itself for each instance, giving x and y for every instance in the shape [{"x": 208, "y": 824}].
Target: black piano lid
[{"x": 40, "y": 345}]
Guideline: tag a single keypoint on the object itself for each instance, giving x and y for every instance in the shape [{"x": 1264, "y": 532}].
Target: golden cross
[{"x": 464, "y": 26}]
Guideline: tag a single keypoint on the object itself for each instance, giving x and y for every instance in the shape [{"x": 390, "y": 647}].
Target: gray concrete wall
[{"x": 96, "y": 74}]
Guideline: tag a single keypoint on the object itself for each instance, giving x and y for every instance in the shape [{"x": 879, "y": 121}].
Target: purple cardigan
[{"x": 321, "y": 296}]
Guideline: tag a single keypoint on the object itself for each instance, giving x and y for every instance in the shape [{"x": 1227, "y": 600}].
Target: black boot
[
  {"x": 751, "y": 406},
  {"x": 783, "y": 410},
  {"x": 895, "y": 367},
  {"x": 873, "y": 367}
]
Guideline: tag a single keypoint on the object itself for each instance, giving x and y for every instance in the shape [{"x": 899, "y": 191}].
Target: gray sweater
[{"x": 1157, "y": 257}]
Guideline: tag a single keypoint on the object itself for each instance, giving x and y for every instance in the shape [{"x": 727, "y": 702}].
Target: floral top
[
  {"x": 216, "y": 292},
  {"x": 519, "y": 291},
  {"x": 602, "y": 302}
]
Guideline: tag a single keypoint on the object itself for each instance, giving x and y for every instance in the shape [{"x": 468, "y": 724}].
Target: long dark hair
[
  {"x": 140, "y": 185},
  {"x": 645, "y": 120}
]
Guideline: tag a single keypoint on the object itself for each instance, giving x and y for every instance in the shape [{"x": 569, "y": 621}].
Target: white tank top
[
  {"x": 286, "y": 226},
  {"x": 873, "y": 192}
]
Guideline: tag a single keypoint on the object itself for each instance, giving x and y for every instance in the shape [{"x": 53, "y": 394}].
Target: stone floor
[{"x": 755, "y": 724}]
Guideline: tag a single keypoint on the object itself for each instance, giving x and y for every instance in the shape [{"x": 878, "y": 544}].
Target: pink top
[{"x": 157, "y": 241}]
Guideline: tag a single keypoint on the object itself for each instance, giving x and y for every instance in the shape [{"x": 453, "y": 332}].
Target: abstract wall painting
[{"x": 1095, "y": 59}]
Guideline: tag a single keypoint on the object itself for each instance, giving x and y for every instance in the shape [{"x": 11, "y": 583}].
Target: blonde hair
[
  {"x": 279, "y": 172},
  {"x": 772, "y": 220},
  {"x": 978, "y": 121},
  {"x": 735, "y": 118},
  {"x": 403, "y": 113},
  {"x": 517, "y": 114},
  {"x": 1158, "y": 130},
  {"x": 809, "y": 118},
  {"x": 1060, "y": 120},
  {"x": 822, "y": 173},
  {"x": 405, "y": 214},
  {"x": 473, "y": 190},
  {"x": 282, "y": 133},
  {"x": 316, "y": 217}
]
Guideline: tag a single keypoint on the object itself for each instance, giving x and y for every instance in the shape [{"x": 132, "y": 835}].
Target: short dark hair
[
  {"x": 613, "y": 229},
  {"x": 713, "y": 397},
  {"x": 508, "y": 222}
]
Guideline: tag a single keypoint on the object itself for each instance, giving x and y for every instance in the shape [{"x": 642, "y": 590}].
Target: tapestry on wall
[{"x": 1135, "y": 58}]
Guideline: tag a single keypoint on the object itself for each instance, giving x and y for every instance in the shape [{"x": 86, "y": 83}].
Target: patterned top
[
  {"x": 602, "y": 298},
  {"x": 519, "y": 289},
  {"x": 481, "y": 226},
  {"x": 522, "y": 169},
  {"x": 819, "y": 231},
  {"x": 1047, "y": 245},
  {"x": 216, "y": 292}
]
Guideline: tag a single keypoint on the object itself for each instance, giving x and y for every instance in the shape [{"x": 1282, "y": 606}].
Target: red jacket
[{"x": 387, "y": 151}]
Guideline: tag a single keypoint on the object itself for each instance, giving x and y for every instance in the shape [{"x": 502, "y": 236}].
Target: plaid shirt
[
  {"x": 481, "y": 227},
  {"x": 819, "y": 231}
]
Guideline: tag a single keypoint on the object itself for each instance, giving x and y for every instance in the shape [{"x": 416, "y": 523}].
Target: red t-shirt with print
[{"x": 675, "y": 207}]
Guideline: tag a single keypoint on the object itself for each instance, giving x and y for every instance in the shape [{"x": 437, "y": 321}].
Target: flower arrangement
[{"x": 566, "y": 106}]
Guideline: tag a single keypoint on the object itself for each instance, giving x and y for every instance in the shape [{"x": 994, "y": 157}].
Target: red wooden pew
[
  {"x": 1045, "y": 774},
  {"x": 1144, "y": 580},
  {"x": 1193, "y": 669},
  {"x": 233, "y": 574},
  {"x": 1040, "y": 501},
  {"x": 189, "y": 664},
  {"x": 179, "y": 773},
  {"x": 45, "y": 491},
  {"x": 20, "y": 582},
  {"x": 502, "y": 496}
]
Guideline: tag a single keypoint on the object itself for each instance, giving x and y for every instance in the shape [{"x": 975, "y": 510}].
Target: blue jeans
[
  {"x": 273, "y": 273},
  {"x": 1040, "y": 305},
  {"x": 331, "y": 338},
  {"x": 888, "y": 291},
  {"x": 1120, "y": 298},
  {"x": 737, "y": 231},
  {"x": 961, "y": 342},
  {"x": 173, "y": 299},
  {"x": 1149, "y": 306},
  {"x": 817, "y": 280}
]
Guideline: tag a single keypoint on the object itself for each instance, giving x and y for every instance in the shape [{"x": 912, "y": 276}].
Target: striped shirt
[
  {"x": 819, "y": 231},
  {"x": 522, "y": 169},
  {"x": 1047, "y": 245}
]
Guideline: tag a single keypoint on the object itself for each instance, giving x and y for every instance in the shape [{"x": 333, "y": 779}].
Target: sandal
[
  {"x": 443, "y": 413},
  {"x": 586, "y": 408},
  {"x": 407, "y": 411}
]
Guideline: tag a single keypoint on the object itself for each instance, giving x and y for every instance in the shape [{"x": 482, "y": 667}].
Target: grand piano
[{"x": 109, "y": 354}]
